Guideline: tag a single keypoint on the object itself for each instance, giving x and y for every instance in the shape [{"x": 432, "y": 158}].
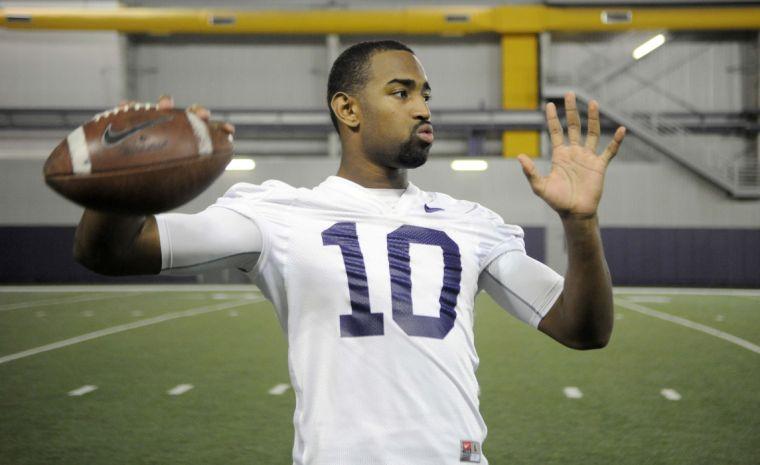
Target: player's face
[{"x": 395, "y": 125}]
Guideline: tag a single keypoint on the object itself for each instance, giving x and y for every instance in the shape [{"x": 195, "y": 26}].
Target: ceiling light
[
  {"x": 648, "y": 46},
  {"x": 241, "y": 164},
  {"x": 469, "y": 165}
]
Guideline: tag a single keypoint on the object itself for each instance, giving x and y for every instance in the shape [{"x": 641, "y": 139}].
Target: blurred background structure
[{"x": 682, "y": 199}]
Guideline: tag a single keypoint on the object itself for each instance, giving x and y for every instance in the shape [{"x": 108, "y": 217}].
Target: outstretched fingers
[
  {"x": 594, "y": 128},
  {"x": 201, "y": 111},
  {"x": 612, "y": 149},
  {"x": 165, "y": 102},
  {"x": 555, "y": 127},
  {"x": 535, "y": 179},
  {"x": 573, "y": 119}
]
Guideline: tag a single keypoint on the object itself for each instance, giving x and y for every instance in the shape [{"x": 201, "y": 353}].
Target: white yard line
[
  {"x": 689, "y": 324},
  {"x": 251, "y": 288},
  {"x": 648, "y": 299},
  {"x": 179, "y": 389},
  {"x": 59, "y": 301},
  {"x": 134, "y": 288},
  {"x": 86, "y": 389},
  {"x": 670, "y": 394},
  {"x": 688, "y": 291},
  {"x": 572, "y": 392},
  {"x": 125, "y": 327},
  {"x": 279, "y": 389}
]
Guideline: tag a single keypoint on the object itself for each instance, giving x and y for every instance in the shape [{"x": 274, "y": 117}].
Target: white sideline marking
[
  {"x": 87, "y": 388},
  {"x": 120, "y": 328},
  {"x": 57, "y": 301},
  {"x": 279, "y": 389},
  {"x": 670, "y": 394},
  {"x": 651, "y": 299},
  {"x": 179, "y": 389},
  {"x": 134, "y": 288},
  {"x": 618, "y": 316},
  {"x": 689, "y": 324},
  {"x": 720, "y": 318},
  {"x": 250, "y": 287},
  {"x": 572, "y": 392},
  {"x": 688, "y": 291}
]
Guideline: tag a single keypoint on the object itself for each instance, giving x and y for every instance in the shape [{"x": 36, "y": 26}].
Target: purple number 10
[{"x": 361, "y": 321}]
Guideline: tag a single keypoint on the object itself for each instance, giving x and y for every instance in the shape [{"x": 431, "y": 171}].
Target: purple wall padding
[
  {"x": 534, "y": 243},
  {"x": 43, "y": 254},
  {"x": 683, "y": 257}
]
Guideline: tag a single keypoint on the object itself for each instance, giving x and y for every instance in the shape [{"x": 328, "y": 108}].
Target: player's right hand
[{"x": 166, "y": 102}]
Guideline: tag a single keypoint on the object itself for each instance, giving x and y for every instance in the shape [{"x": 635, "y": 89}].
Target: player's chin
[{"x": 414, "y": 157}]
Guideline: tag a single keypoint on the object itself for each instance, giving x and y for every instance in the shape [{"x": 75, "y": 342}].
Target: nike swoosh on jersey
[
  {"x": 432, "y": 209},
  {"x": 113, "y": 138}
]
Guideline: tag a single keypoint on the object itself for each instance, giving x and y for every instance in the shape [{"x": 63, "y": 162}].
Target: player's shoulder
[
  {"x": 270, "y": 190},
  {"x": 468, "y": 211}
]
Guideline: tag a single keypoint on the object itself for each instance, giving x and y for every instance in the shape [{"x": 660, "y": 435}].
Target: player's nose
[{"x": 421, "y": 110}]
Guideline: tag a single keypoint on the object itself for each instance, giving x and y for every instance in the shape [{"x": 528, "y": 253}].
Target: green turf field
[{"x": 137, "y": 344}]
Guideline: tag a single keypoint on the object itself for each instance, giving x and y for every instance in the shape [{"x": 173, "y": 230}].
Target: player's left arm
[{"x": 582, "y": 316}]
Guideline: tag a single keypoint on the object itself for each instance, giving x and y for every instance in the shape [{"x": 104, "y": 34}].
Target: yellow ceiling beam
[
  {"x": 207, "y": 21},
  {"x": 510, "y": 19}
]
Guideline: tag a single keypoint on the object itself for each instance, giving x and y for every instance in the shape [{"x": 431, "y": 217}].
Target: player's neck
[{"x": 372, "y": 176}]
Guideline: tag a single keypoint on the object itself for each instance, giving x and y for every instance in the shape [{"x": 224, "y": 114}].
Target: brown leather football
[{"x": 138, "y": 160}]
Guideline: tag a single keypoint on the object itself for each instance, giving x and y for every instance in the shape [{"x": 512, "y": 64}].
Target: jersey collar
[{"x": 347, "y": 187}]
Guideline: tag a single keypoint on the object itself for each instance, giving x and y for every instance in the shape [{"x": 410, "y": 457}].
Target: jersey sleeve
[
  {"x": 521, "y": 285},
  {"x": 525, "y": 287},
  {"x": 496, "y": 237},
  {"x": 234, "y": 232},
  {"x": 212, "y": 239}
]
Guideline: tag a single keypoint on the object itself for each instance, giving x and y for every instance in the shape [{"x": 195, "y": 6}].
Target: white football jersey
[{"x": 376, "y": 299}]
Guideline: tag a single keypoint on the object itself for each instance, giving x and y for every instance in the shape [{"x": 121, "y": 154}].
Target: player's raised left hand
[{"x": 574, "y": 186}]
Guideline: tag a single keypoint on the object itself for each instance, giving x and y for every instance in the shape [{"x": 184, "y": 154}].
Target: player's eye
[
  {"x": 428, "y": 97},
  {"x": 401, "y": 93}
]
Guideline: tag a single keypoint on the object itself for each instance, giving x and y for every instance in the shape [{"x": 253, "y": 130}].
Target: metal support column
[
  {"x": 332, "y": 43},
  {"x": 520, "y": 90}
]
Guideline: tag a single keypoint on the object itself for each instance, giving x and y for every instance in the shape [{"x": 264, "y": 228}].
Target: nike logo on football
[
  {"x": 112, "y": 138},
  {"x": 432, "y": 209}
]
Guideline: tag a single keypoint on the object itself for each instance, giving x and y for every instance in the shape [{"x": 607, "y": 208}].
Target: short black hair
[{"x": 350, "y": 72}]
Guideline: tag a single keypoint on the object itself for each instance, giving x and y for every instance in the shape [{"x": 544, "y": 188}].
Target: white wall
[
  {"x": 61, "y": 69},
  {"x": 636, "y": 194},
  {"x": 291, "y": 73},
  {"x": 253, "y": 73}
]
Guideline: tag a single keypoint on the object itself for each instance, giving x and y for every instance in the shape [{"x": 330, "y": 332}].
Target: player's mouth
[{"x": 425, "y": 132}]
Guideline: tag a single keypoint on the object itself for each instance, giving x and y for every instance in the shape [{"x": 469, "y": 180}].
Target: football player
[{"x": 374, "y": 279}]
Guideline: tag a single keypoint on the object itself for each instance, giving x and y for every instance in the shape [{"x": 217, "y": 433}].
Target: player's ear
[{"x": 346, "y": 109}]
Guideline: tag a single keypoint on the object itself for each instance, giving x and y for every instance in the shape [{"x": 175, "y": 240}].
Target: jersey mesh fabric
[
  {"x": 376, "y": 299},
  {"x": 386, "y": 396}
]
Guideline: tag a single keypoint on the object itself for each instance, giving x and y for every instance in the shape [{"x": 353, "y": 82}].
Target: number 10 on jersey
[{"x": 361, "y": 321}]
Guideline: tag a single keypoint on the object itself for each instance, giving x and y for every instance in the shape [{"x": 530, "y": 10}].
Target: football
[{"x": 138, "y": 159}]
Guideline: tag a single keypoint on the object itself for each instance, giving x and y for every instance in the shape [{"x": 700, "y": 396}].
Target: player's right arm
[{"x": 118, "y": 245}]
